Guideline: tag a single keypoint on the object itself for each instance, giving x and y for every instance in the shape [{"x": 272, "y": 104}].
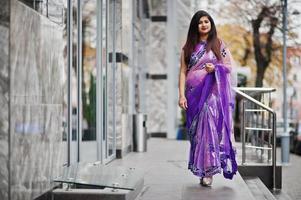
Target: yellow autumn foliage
[{"x": 239, "y": 40}]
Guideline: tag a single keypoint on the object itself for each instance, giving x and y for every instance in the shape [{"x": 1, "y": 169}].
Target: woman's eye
[{"x": 204, "y": 22}]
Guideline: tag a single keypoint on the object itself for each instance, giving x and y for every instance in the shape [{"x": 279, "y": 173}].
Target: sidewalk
[
  {"x": 291, "y": 176},
  {"x": 167, "y": 177}
]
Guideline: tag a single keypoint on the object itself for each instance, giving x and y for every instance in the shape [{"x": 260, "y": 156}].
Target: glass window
[{"x": 52, "y": 9}]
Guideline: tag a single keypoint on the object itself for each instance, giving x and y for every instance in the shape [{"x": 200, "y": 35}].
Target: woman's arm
[{"x": 182, "y": 80}]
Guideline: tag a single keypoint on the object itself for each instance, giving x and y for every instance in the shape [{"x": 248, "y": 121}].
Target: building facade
[{"x": 72, "y": 75}]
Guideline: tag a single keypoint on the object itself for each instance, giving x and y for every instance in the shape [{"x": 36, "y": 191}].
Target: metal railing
[{"x": 258, "y": 126}]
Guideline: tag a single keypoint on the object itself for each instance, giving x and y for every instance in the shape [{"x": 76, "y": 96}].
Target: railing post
[
  {"x": 274, "y": 151},
  {"x": 243, "y": 133},
  {"x": 270, "y": 125}
]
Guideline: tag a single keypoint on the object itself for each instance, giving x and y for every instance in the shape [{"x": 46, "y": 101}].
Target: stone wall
[
  {"x": 4, "y": 98},
  {"x": 156, "y": 90},
  {"x": 157, "y": 99},
  {"x": 37, "y": 91}
]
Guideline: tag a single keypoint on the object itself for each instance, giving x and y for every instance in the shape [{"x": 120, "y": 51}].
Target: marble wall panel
[
  {"x": 157, "y": 45},
  {"x": 121, "y": 28},
  {"x": 157, "y": 89},
  {"x": 123, "y": 78},
  {"x": 158, "y": 7},
  {"x": 118, "y": 117},
  {"x": 126, "y": 116},
  {"x": 157, "y": 59},
  {"x": 157, "y": 106},
  {"x": 124, "y": 124},
  {"x": 4, "y": 98},
  {"x": 36, "y": 154},
  {"x": 37, "y": 104}
]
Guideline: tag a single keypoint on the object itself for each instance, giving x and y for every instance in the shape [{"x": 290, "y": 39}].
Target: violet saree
[{"x": 209, "y": 114}]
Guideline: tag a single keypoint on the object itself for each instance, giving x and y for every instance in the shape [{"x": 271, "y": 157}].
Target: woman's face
[{"x": 204, "y": 25}]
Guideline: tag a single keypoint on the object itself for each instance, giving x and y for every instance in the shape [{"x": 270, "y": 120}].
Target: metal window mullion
[
  {"x": 79, "y": 77},
  {"x": 106, "y": 83},
  {"x": 69, "y": 71},
  {"x": 99, "y": 100},
  {"x": 114, "y": 77}
]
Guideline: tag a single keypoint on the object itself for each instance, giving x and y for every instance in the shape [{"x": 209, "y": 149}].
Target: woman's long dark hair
[{"x": 213, "y": 43}]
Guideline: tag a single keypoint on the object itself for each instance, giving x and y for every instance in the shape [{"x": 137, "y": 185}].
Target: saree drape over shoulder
[{"x": 209, "y": 114}]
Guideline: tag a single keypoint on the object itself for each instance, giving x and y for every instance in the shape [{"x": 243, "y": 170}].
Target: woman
[{"x": 205, "y": 94}]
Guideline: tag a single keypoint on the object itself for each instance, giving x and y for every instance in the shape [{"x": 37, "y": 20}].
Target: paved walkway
[
  {"x": 291, "y": 177},
  {"x": 167, "y": 177}
]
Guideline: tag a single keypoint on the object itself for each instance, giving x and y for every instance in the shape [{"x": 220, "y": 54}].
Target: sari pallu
[{"x": 209, "y": 116}]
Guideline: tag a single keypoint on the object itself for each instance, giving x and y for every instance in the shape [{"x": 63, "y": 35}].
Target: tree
[
  {"x": 263, "y": 50},
  {"x": 242, "y": 50},
  {"x": 261, "y": 19}
]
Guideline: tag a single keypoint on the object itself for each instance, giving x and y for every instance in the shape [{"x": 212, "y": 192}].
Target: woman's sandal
[{"x": 206, "y": 181}]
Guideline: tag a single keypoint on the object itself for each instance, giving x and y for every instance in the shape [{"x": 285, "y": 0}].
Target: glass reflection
[
  {"x": 104, "y": 74},
  {"x": 74, "y": 91},
  {"x": 89, "y": 70},
  {"x": 88, "y": 144},
  {"x": 52, "y": 9}
]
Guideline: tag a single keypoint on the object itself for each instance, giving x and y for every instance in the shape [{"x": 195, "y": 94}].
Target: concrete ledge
[
  {"x": 265, "y": 173},
  {"x": 91, "y": 194},
  {"x": 258, "y": 189},
  {"x": 97, "y": 194}
]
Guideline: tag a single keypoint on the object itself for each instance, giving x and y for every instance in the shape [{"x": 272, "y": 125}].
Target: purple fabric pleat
[{"x": 209, "y": 117}]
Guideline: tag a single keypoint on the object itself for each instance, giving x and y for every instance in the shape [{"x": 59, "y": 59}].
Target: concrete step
[
  {"x": 258, "y": 189},
  {"x": 221, "y": 189},
  {"x": 282, "y": 195},
  {"x": 261, "y": 192},
  {"x": 264, "y": 172}
]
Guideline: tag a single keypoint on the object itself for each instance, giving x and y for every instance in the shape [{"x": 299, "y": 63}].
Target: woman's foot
[{"x": 206, "y": 181}]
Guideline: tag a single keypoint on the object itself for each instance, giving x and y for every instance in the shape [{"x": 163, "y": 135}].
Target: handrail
[
  {"x": 239, "y": 90},
  {"x": 256, "y": 89}
]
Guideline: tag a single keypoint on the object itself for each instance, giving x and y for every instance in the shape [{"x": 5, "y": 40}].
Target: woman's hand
[
  {"x": 183, "y": 102},
  {"x": 209, "y": 67}
]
